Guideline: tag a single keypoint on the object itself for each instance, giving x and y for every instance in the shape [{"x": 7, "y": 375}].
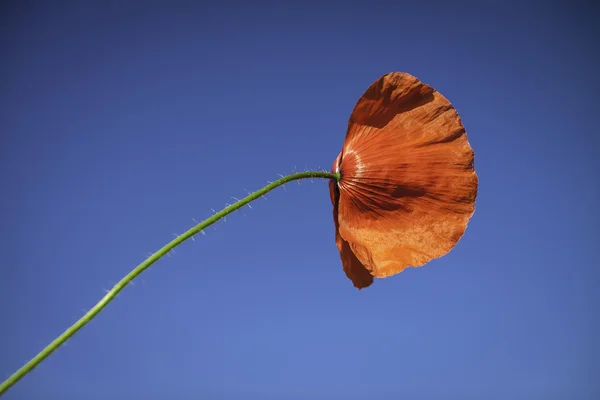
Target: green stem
[{"x": 35, "y": 361}]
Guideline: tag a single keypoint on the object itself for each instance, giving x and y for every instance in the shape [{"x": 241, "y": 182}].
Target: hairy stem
[{"x": 56, "y": 343}]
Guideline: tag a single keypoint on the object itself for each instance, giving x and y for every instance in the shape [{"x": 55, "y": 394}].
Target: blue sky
[{"x": 122, "y": 123}]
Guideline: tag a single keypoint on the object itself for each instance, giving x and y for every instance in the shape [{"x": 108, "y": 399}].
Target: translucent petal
[{"x": 408, "y": 184}]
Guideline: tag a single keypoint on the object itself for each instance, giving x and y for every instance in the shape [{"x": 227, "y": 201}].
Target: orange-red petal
[
  {"x": 355, "y": 271},
  {"x": 408, "y": 184}
]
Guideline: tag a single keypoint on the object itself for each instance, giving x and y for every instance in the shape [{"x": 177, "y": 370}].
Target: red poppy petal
[
  {"x": 353, "y": 268},
  {"x": 408, "y": 186}
]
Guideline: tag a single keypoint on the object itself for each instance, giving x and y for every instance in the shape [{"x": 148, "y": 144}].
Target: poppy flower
[{"x": 407, "y": 184}]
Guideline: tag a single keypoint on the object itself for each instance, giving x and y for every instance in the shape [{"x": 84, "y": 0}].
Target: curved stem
[{"x": 56, "y": 343}]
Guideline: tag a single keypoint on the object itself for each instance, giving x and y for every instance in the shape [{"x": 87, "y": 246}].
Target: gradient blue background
[{"x": 122, "y": 123}]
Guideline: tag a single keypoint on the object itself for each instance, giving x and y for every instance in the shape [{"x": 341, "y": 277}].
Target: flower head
[{"x": 407, "y": 185}]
